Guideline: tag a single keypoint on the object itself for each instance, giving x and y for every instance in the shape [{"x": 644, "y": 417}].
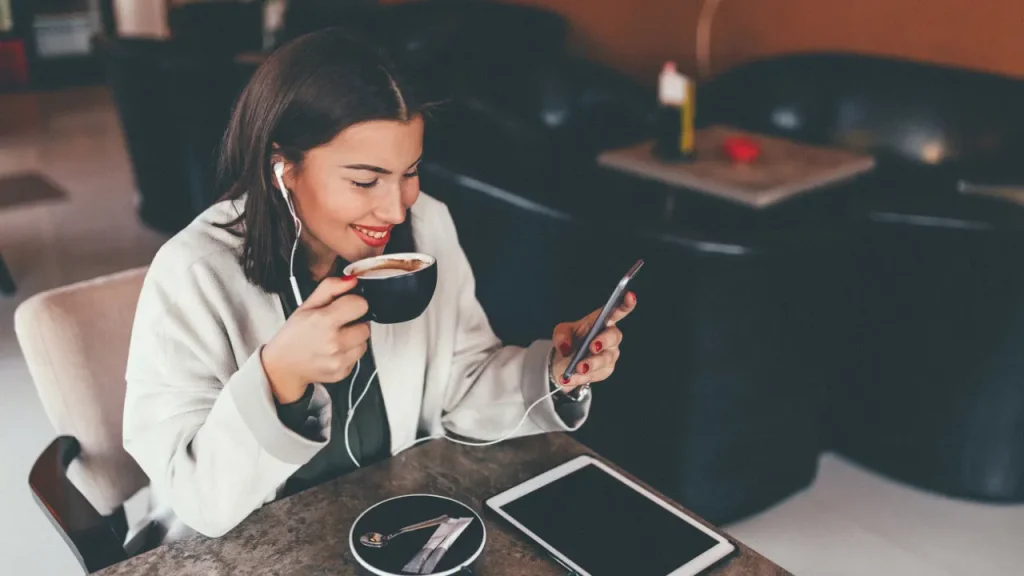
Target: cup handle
[{"x": 369, "y": 316}]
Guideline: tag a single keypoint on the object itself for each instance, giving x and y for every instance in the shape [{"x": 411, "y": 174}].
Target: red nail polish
[
  {"x": 565, "y": 349},
  {"x": 348, "y": 277},
  {"x": 632, "y": 297},
  {"x": 598, "y": 346},
  {"x": 565, "y": 380},
  {"x": 584, "y": 368}
]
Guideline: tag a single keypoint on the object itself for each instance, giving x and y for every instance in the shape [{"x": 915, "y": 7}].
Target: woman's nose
[{"x": 390, "y": 208}]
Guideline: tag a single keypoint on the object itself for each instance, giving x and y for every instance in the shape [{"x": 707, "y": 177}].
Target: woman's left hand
[{"x": 604, "y": 350}]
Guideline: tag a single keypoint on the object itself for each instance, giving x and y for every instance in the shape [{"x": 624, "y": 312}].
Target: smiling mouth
[
  {"x": 378, "y": 234},
  {"x": 374, "y": 236}
]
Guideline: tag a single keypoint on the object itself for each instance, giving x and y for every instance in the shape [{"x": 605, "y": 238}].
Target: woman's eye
[
  {"x": 412, "y": 174},
  {"x": 369, "y": 184}
]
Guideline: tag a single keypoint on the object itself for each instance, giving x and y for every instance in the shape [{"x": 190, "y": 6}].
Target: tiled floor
[
  {"x": 850, "y": 522},
  {"x": 73, "y": 138}
]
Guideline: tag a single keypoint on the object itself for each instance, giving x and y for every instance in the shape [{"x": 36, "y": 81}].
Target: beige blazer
[{"x": 199, "y": 416}]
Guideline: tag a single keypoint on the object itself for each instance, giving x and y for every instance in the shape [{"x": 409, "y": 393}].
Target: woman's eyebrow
[
  {"x": 368, "y": 167},
  {"x": 378, "y": 169}
]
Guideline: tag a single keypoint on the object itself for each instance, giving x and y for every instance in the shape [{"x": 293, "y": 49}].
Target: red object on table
[
  {"x": 741, "y": 149},
  {"x": 13, "y": 63}
]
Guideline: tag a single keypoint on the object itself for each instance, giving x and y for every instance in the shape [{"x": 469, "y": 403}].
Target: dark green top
[{"x": 369, "y": 435}]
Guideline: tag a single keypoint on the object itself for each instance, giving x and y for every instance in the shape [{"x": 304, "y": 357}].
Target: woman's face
[{"x": 350, "y": 192}]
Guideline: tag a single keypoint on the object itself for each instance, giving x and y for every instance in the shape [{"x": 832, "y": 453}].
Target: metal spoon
[{"x": 378, "y": 540}]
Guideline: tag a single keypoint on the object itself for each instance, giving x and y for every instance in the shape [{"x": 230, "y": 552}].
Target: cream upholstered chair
[{"x": 75, "y": 340}]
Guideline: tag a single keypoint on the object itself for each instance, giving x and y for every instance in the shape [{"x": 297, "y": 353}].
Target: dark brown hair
[{"x": 304, "y": 95}]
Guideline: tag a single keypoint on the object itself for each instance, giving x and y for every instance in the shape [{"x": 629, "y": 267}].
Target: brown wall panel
[{"x": 638, "y": 35}]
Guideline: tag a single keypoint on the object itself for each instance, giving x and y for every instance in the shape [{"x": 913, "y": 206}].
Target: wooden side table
[{"x": 784, "y": 168}]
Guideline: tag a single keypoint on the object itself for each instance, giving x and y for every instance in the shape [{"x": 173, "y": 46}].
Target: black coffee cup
[{"x": 398, "y": 287}]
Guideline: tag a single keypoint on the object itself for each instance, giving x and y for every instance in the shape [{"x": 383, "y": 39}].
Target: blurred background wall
[{"x": 637, "y": 35}]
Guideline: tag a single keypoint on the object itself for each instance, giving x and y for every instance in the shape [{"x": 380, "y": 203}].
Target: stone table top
[{"x": 307, "y": 533}]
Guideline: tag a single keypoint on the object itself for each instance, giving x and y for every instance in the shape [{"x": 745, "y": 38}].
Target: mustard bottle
[{"x": 675, "y": 118}]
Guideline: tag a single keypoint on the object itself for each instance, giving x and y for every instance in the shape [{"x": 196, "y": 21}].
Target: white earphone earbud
[{"x": 279, "y": 173}]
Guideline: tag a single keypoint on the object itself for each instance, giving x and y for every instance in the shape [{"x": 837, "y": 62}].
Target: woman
[{"x": 239, "y": 392}]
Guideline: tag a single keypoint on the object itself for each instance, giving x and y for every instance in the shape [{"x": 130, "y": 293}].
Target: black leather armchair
[
  {"x": 533, "y": 264},
  {"x": 136, "y": 74},
  {"x": 931, "y": 391},
  {"x": 721, "y": 391},
  {"x": 202, "y": 96},
  {"x": 217, "y": 28},
  {"x": 174, "y": 100},
  {"x": 539, "y": 133}
]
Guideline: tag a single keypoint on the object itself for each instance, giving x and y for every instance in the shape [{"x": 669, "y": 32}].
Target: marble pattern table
[
  {"x": 783, "y": 170},
  {"x": 307, "y": 533}
]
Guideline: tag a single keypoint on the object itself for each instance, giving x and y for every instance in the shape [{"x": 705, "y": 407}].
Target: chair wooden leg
[{"x": 6, "y": 280}]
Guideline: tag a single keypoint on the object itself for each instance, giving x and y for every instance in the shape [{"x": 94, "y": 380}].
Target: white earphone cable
[
  {"x": 355, "y": 374},
  {"x": 291, "y": 261},
  {"x": 477, "y": 444},
  {"x": 279, "y": 173},
  {"x": 352, "y": 408}
]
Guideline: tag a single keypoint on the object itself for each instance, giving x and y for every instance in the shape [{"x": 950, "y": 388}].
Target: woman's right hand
[{"x": 318, "y": 342}]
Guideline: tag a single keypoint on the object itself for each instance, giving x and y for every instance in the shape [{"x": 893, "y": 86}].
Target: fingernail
[
  {"x": 598, "y": 346},
  {"x": 565, "y": 380},
  {"x": 348, "y": 277},
  {"x": 565, "y": 349},
  {"x": 632, "y": 297},
  {"x": 584, "y": 368}
]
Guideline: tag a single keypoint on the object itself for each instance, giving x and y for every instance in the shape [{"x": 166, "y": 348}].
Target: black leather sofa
[{"x": 932, "y": 388}]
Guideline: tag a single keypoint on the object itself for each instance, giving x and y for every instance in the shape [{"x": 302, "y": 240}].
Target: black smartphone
[{"x": 602, "y": 319}]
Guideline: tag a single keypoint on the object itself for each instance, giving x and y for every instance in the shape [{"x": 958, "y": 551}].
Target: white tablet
[{"x": 599, "y": 523}]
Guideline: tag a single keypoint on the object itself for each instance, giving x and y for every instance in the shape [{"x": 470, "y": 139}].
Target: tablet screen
[{"x": 606, "y": 527}]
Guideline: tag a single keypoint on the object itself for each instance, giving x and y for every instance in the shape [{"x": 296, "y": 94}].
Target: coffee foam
[
  {"x": 382, "y": 273},
  {"x": 408, "y": 263}
]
